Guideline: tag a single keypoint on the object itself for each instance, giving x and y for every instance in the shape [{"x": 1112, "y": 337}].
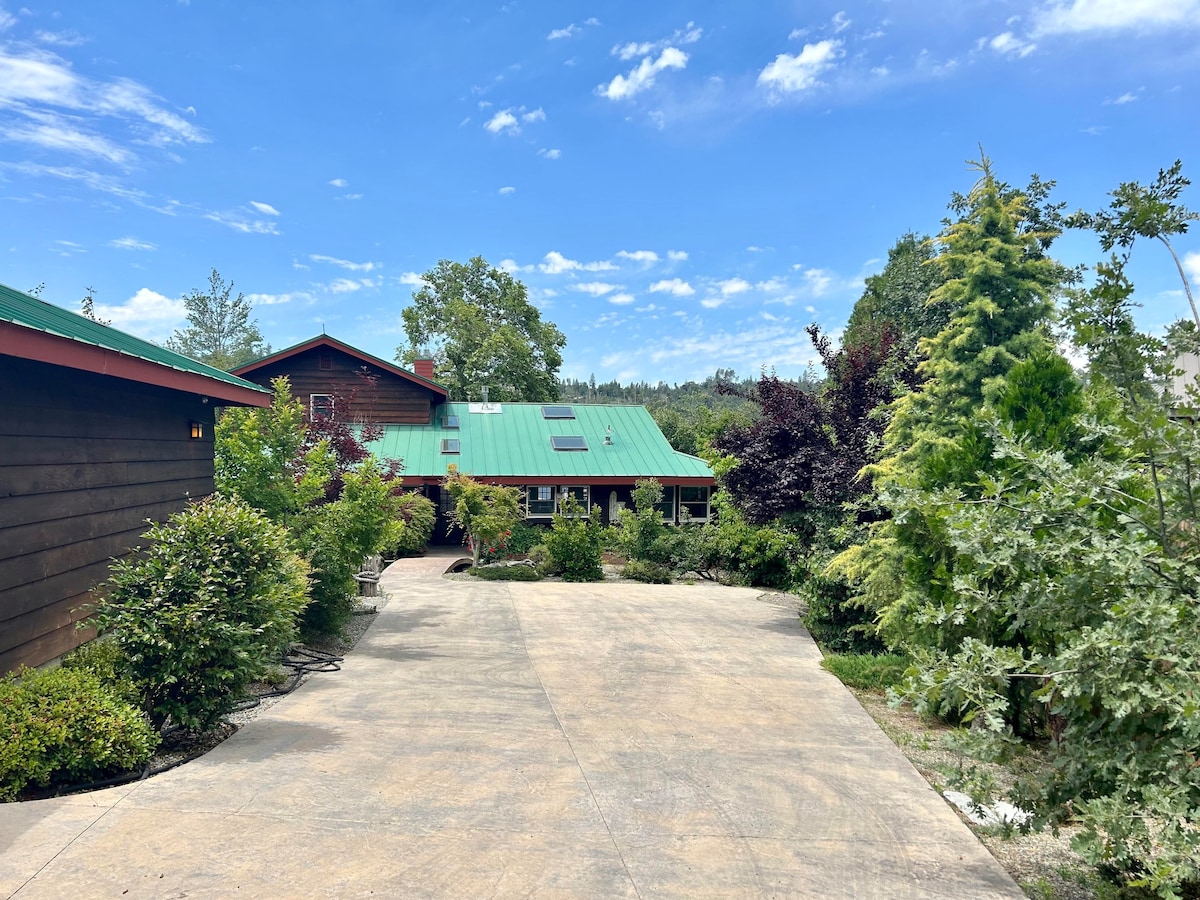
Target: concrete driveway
[{"x": 494, "y": 740}]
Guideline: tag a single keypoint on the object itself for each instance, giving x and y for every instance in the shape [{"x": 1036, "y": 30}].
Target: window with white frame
[
  {"x": 320, "y": 405},
  {"x": 539, "y": 501},
  {"x": 693, "y": 499},
  {"x": 582, "y": 495}
]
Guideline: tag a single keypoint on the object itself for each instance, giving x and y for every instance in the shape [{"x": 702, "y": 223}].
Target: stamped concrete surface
[{"x": 496, "y": 740}]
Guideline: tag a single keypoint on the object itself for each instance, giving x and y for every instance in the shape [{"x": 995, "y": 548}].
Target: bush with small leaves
[
  {"x": 576, "y": 543},
  {"x": 648, "y": 572},
  {"x": 64, "y": 726},
  {"x": 204, "y": 609},
  {"x": 417, "y": 515},
  {"x": 505, "y": 573}
]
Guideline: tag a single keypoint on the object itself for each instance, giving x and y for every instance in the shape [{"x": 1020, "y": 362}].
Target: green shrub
[
  {"x": 866, "y": 671},
  {"x": 575, "y": 543},
  {"x": 732, "y": 549},
  {"x": 642, "y": 535},
  {"x": 836, "y": 620},
  {"x": 521, "y": 538},
  {"x": 649, "y": 572},
  {"x": 539, "y": 555},
  {"x": 64, "y": 726},
  {"x": 204, "y": 609},
  {"x": 417, "y": 515},
  {"x": 102, "y": 658},
  {"x": 337, "y": 537},
  {"x": 505, "y": 573}
]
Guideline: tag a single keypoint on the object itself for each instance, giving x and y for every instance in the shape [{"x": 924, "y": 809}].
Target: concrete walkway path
[{"x": 497, "y": 740}]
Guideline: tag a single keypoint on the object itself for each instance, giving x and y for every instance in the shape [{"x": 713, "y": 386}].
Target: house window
[
  {"x": 568, "y": 442},
  {"x": 667, "y": 505},
  {"x": 694, "y": 500},
  {"x": 558, "y": 412},
  {"x": 320, "y": 405},
  {"x": 449, "y": 421},
  {"x": 539, "y": 501},
  {"x": 582, "y": 494},
  {"x": 451, "y": 445}
]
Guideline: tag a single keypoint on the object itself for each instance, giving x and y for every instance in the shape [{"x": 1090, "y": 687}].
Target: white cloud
[
  {"x": 506, "y": 121},
  {"x": 344, "y": 263},
  {"x": 818, "y": 281},
  {"x": 621, "y": 299},
  {"x": 349, "y": 285},
  {"x": 1010, "y": 45},
  {"x": 632, "y": 50},
  {"x": 840, "y": 22},
  {"x": 676, "y": 287},
  {"x": 732, "y": 286},
  {"x": 1191, "y": 264},
  {"x": 339, "y": 182},
  {"x": 559, "y": 33},
  {"x": 411, "y": 278},
  {"x": 53, "y": 132},
  {"x": 754, "y": 248},
  {"x": 595, "y": 288},
  {"x": 501, "y": 122},
  {"x": 507, "y": 189},
  {"x": 510, "y": 266},
  {"x": 7, "y": 19},
  {"x": 551, "y": 153},
  {"x": 265, "y": 208},
  {"x": 239, "y": 221},
  {"x": 792, "y": 74},
  {"x": 591, "y": 20},
  {"x": 555, "y": 264},
  {"x": 132, "y": 243},
  {"x": 796, "y": 33},
  {"x": 1127, "y": 97},
  {"x": 1077, "y": 16},
  {"x": 57, "y": 38},
  {"x": 350, "y": 196},
  {"x": 649, "y": 307},
  {"x": 147, "y": 314},
  {"x": 277, "y": 299},
  {"x": 772, "y": 284},
  {"x": 677, "y": 255},
  {"x": 712, "y": 302},
  {"x": 645, "y": 257},
  {"x": 642, "y": 77}
]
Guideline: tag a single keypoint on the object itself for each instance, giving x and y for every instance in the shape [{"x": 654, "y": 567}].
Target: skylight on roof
[
  {"x": 558, "y": 412},
  {"x": 449, "y": 421},
  {"x": 451, "y": 445},
  {"x": 568, "y": 442}
]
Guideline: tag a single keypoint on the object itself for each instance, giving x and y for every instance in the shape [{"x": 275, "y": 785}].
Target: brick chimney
[{"x": 424, "y": 368}]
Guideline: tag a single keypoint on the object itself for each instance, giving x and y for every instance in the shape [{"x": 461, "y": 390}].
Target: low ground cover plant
[
  {"x": 67, "y": 726},
  {"x": 868, "y": 672}
]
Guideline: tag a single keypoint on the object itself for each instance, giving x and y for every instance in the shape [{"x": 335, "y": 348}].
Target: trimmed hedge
[{"x": 505, "y": 573}]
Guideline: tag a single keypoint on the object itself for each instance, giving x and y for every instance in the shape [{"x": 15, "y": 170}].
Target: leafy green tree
[
  {"x": 1151, "y": 211},
  {"x": 219, "y": 330},
  {"x": 483, "y": 333},
  {"x": 486, "y": 512},
  {"x": 898, "y": 297}
]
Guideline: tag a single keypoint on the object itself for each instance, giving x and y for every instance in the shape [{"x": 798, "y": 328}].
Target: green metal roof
[
  {"x": 515, "y": 442},
  {"x": 29, "y": 312}
]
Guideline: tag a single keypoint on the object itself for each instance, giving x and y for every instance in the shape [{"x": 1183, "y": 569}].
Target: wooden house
[
  {"x": 325, "y": 372},
  {"x": 99, "y": 432},
  {"x": 593, "y": 452}
]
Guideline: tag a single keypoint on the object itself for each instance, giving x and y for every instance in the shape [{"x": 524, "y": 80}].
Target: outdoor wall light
[{"x": 197, "y": 430}]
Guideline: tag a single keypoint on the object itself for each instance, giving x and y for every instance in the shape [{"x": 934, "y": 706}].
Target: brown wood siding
[
  {"x": 85, "y": 460},
  {"x": 391, "y": 401}
]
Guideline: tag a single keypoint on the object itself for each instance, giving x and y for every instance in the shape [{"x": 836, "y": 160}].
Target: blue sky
[{"x": 681, "y": 186}]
